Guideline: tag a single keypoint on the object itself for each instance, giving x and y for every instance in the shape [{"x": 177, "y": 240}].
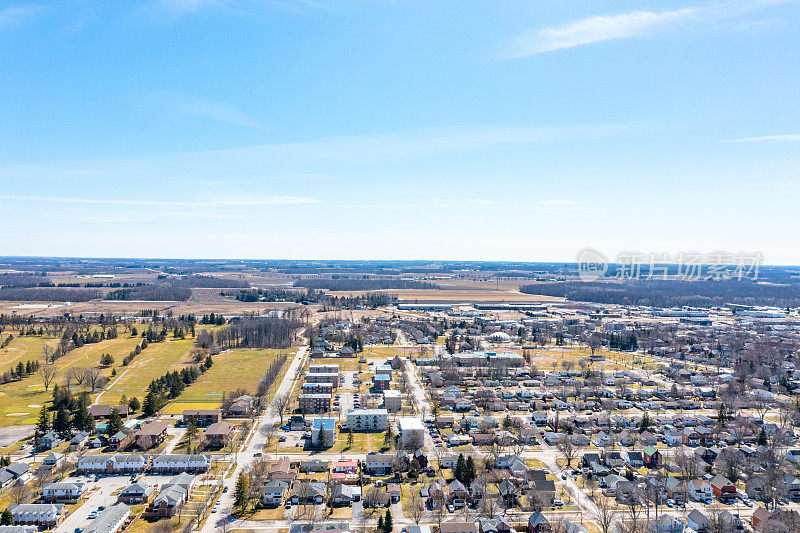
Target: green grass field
[
  {"x": 236, "y": 369},
  {"x": 21, "y": 349},
  {"x": 20, "y": 401},
  {"x": 154, "y": 361}
]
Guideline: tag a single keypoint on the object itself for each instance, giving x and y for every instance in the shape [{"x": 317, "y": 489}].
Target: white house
[
  {"x": 117, "y": 463},
  {"x": 176, "y": 463},
  {"x": 700, "y": 490},
  {"x": 63, "y": 492},
  {"x": 44, "y": 515}
]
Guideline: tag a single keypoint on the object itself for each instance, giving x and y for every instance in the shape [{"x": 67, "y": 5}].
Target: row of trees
[
  {"x": 249, "y": 333},
  {"x": 22, "y": 370},
  {"x": 171, "y": 385}
]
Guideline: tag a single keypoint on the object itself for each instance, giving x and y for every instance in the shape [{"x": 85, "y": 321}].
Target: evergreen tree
[
  {"x": 240, "y": 494},
  {"x": 61, "y": 422},
  {"x": 350, "y": 438},
  {"x": 387, "y": 522},
  {"x": 460, "y": 465},
  {"x": 645, "y": 423},
  {"x": 114, "y": 422},
  {"x": 762, "y": 438},
  {"x": 380, "y": 523},
  {"x": 134, "y": 404},
  {"x": 43, "y": 425},
  {"x": 150, "y": 406},
  {"x": 6, "y": 519},
  {"x": 469, "y": 471}
]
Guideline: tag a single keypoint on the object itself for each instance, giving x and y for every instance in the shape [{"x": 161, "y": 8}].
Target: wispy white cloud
[
  {"x": 625, "y": 25},
  {"x": 14, "y": 16},
  {"x": 783, "y": 138},
  {"x": 230, "y": 201},
  {"x": 594, "y": 29},
  {"x": 196, "y": 106}
]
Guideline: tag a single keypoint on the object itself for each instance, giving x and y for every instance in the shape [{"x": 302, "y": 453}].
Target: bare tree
[
  {"x": 76, "y": 375},
  {"x": 416, "y": 507},
  {"x": 567, "y": 449},
  {"x": 48, "y": 374},
  {"x": 279, "y": 404},
  {"x": 19, "y": 493},
  {"x": 605, "y": 515},
  {"x": 93, "y": 379}
]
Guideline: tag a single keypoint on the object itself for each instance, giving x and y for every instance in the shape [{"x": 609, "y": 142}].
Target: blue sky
[{"x": 344, "y": 129}]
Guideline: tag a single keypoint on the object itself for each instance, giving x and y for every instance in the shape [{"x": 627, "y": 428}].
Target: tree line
[
  {"x": 672, "y": 293},
  {"x": 249, "y": 333},
  {"x": 169, "y": 386},
  {"x": 354, "y": 284}
]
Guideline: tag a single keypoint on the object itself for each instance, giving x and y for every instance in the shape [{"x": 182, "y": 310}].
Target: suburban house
[
  {"x": 112, "y": 464},
  {"x": 700, "y": 490},
  {"x": 305, "y": 492},
  {"x": 43, "y": 515},
  {"x": 274, "y": 492},
  {"x": 63, "y": 492},
  {"x": 379, "y": 464},
  {"x": 314, "y": 465},
  {"x": 220, "y": 434},
  {"x": 138, "y": 492},
  {"x": 537, "y": 523},
  {"x": 457, "y": 526},
  {"x": 652, "y": 457},
  {"x": 201, "y": 417},
  {"x": 174, "y": 493},
  {"x": 151, "y": 435},
  {"x": 176, "y": 463},
  {"x": 723, "y": 488}
]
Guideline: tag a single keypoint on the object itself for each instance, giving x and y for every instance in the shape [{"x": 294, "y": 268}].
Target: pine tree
[
  {"x": 460, "y": 465},
  {"x": 350, "y": 438},
  {"x": 6, "y": 519},
  {"x": 43, "y": 425},
  {"x": 114, "y": 422},
  {"x": 150, "y": 406},
  {"x": 762, "y": 438},
  {"x": 61, "y": 422},
  {"x": 387, "y": 522},
  {"x": 240, "y": 494},
  {"x": 134, "y": 404},
  {"x": 469, "y": 471},
  {"x": 380, "y": 524}
]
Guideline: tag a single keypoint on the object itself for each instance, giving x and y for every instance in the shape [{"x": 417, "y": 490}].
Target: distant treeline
[
  {"x": 669, "y": 293},
  {"x": 250, "y": 333},
  {"x": 172, "y": 289},
  {"x": 310, "y": 296},
  {"x": 350, "y": 284},
  {"x": 22, "y": 279},
  {"x": 48, "y": 294}
]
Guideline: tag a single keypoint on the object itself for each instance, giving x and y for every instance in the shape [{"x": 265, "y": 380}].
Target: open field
[
  {"x": 20, "y": 401},
  {"x": 22, "y": 349},
  {"x": 153, "y": 362},
  {"x": 236, "y": 369}
]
